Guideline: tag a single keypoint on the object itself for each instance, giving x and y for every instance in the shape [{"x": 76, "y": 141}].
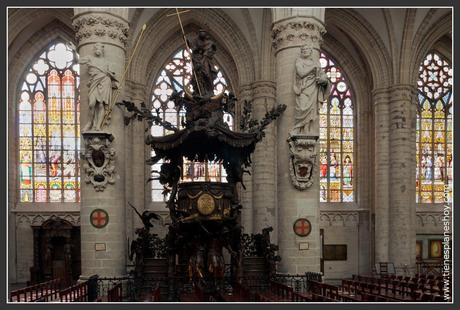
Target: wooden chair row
[
  {"x": 417, "y": 279},
  {"x": 325, "y": 290},
  {"x": 279, "y": 292},
  {"x": 404, "y": 286},
  {"x": 394, "y": 290}
]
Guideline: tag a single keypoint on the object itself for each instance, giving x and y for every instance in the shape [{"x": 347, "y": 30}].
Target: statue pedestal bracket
[{"x": 98, "y": 157}]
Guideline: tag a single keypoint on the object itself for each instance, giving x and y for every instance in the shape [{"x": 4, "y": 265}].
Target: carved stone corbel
[
  {"x": 302, "y": 159},
  {"x": 99, "y": 159}
]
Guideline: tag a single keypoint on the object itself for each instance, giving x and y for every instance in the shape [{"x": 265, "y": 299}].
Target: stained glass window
[
  {"x": 336, "y": 138},
  {"x": 434, "y": 131},
  {"x": 49, "y": 128},
  {"x": 176, "y": 75}
]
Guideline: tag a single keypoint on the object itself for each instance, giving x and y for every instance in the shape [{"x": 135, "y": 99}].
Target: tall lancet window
[
  {"x": 48, "y": 105},
  {"x": 176, "y": 75},
  {"x": 434, "y": 131},
  {"x": 336, "y": 138}
]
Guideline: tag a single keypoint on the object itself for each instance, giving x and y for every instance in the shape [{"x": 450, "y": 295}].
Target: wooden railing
[
  {"x": 75, "y": 293},
  {"x": 46, "y": 291},
  {"x": 115, "y": 293},
  {"x": 392, "y": 288},
  {"x": 156, "y": 293}
]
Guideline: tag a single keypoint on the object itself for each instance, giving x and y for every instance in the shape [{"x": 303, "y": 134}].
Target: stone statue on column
[
  {"x": 101, "y": 85},
  {"x": 99, "y": 166},
  {"x": 311, "y": 86}
]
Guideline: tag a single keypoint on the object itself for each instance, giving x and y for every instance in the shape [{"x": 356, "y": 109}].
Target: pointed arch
[
  {"x": 337, "y": 121},
  {"x": 426, "y": 38},
  {"x": 365, "y": 38},
  {"x": 48, "y": 127},
  {"x": 434, "y": 131},
  {"x": 175, "y": 76},
  {"x": 20, "y": 53},
  {"x": 163, "y": 36}
]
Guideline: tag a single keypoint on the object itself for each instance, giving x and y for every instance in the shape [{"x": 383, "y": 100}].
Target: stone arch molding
[
  {"x": 425, "y": 39},
  {"x": 163, "y": 54},
  {"x": 21, "y": 21},
  {"x": 342, "y": 219},
  {"x": 38, "y": 219},
  {"x": 163, "y": 32},
  {"x": 433, "y": 219},
  {"x": 365, "y": 39},
  {"x": 31, "y": 49}
]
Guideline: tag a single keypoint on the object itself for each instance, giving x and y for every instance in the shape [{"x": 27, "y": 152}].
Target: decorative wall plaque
[
  {"x": 99, "y": 156},
  {"x": 304, "y": 246},
  {"x": 419, "y": 249},
  {"x": 99, "y": 218},
  {"x": 436, "y": 248},
  {"x": 205, "y": 204},
  {"x": 335, "y": 252},
  {"x": 302, "y": 160},
  {"x": 100, "y": 247},
  {"x": 302, "y": 227}
]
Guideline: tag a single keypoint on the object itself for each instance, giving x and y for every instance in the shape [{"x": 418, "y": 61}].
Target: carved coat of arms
[{"x": 302, "y": 158}]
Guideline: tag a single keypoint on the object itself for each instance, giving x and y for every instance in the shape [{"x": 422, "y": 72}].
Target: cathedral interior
[{"x": 230, "y": 154}]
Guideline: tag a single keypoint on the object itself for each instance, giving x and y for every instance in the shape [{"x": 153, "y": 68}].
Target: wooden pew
[
  {"x": 277, "y": 292},
  {"x": 325, "y": 290},
  {"x": 394, "y": 287}
]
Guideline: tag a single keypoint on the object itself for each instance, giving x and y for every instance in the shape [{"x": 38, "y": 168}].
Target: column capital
[
  {"x": 381, "y": 95},
  {"x": 296, "y": 31},
  {"x": 99, "y": 26},
  {"x": 245, "y": 92},
  {"x": 403, "y": 92},
  {"x": 262, "y": 89}
]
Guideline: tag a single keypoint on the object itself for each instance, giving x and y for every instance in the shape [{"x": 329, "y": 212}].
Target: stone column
[
  {"x": 381, "y": 170},
  {"x": 137, "y": 166},
  {"x": 264, "y": 160},
  {"x": 293, "y": 28},
  {"x": 109, "y": 27},
  {"x": 402, "y": 175},
  {"x": 246, "y": 195}
]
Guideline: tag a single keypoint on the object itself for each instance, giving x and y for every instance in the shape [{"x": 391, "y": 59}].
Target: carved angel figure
[
  {"x": 101, "y": 84},
  {"x": 311, "y": 87}
]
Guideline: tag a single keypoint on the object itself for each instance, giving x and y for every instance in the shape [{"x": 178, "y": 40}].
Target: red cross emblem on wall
[
  {"x": 302, "y": 227},
  {"x": 99, "y": 218}
]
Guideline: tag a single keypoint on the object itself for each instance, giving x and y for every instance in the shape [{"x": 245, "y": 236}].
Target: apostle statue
[
  {"x": 101, "y": 84},
  {"x": 203, "y": 50},
  {"x": 311, "y": 86}
]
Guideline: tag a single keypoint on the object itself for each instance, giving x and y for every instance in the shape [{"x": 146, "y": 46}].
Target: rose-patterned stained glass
[
  {"x": 336, "y": 138},
  {"x": 49, "y": 142},
  {"x": 176, "y": 75},
  {"x": 434, "y": 131}
]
